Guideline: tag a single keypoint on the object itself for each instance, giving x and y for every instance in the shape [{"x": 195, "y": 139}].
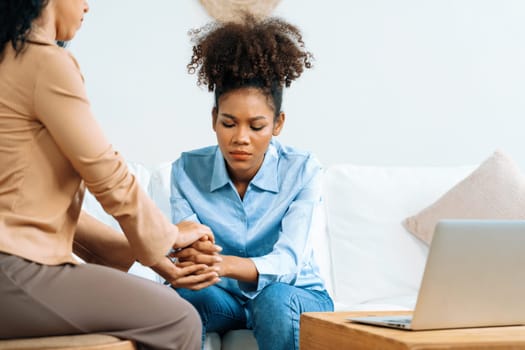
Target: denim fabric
[{"x": 273, "y": 314}]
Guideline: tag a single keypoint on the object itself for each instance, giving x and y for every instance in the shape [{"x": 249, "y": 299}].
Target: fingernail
[{"x": 218, "y": 247}]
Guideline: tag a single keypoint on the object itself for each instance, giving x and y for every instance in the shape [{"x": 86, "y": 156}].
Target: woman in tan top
[{"x": 51, "y": 149}]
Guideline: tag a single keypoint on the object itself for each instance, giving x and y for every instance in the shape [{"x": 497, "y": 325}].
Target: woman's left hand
[{"x": 190, "y": 276}]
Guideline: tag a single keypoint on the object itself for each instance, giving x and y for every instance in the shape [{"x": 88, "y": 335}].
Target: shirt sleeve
[
  {"x": 286, "y": 260},
  {"x": 61, "y": 104},
  {"x": 180, "y": 208}
]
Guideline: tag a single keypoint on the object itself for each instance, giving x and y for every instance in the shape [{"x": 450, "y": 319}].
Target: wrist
[{"x": 225, "y": 266}]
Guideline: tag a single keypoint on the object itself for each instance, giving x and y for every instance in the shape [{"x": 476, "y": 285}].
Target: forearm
[
  {"x": 100, "y": 244},
  {"x": 241, "y": 269}
]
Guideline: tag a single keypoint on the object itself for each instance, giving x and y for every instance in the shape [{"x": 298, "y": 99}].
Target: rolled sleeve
[
  {"x": 285, "y": 261},
  {"x": 61, "y": 104}
]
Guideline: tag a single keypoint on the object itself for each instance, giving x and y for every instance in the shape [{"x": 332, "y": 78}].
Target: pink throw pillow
[{"x": 495, "y": 190}]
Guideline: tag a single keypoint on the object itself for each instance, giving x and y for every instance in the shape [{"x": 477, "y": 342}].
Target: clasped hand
[{"x": 195, "y": 262}]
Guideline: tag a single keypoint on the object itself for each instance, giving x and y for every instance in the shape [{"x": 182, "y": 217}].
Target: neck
[
  {"x": 241, "y": 181},
  {"x": 46, "y": 23},
  {"x": 241, "y": 189}
]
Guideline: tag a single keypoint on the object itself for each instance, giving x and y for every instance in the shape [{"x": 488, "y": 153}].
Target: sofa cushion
[
  {"x": 375, "y": 260},
  {"x": 212, "y": 341},
  {"x": 239, "y": 339},
  {"x": 495, "y": 190}
]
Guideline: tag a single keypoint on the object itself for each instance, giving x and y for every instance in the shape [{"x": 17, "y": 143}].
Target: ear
[
  {"x": 278, "y": 124},
  {"x": 214, "y": 118}
]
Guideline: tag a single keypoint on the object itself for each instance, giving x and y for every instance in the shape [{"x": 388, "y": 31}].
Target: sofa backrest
[
  {"x": 374, "y": 259},
  {"x": 364, "y": 253}
]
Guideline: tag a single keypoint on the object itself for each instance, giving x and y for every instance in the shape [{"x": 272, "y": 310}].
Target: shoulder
[
  {"x": 292, "y": 156},
  {"x": 199, "y": 155},
  {"x": 54, "y": 57},
  {"x": 43, "y": 52},
  {"x": 57, "y": 67},
  {"x": 192, "y": 160}
]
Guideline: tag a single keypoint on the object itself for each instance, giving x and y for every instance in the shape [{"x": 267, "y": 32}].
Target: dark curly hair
[
  {"x": 16, "y": 17},
  {"x": 267, "y": 54}
]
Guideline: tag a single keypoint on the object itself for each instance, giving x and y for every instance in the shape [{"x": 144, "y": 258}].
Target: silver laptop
[{"x": 474, "y": 277}]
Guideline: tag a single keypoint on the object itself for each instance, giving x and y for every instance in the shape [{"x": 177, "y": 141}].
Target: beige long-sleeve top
[{"x": 50, "y": 146}]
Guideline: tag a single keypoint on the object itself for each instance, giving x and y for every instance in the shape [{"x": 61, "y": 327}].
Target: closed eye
[{"x": 228, "y": 125}]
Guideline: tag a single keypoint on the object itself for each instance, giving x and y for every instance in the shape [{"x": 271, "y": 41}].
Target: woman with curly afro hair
[
  {"x": 51, "y": 149},
  {"x": 256, "y": 195}
]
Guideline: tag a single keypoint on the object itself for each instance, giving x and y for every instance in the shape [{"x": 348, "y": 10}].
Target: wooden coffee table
[{"x": 331, "y": 331}]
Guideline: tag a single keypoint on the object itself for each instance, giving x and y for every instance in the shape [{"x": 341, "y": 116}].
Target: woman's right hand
[
  {"x": 202, "y": 251},
  {"x": 191, "y": 276}
]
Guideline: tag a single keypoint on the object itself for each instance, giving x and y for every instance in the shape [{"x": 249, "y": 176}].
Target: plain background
[{"x": 395, "y": 82}]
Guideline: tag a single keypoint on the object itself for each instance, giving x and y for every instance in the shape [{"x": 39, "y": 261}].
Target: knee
[
  {"x": 276, "y": 295},
  {"x": 276, "y": 302},
  {"x": 188, "y": 329},
  {"x": 193, "y": 318}
]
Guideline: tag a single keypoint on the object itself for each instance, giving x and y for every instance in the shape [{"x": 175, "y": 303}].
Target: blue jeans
[{"x": 274, "y": 312}]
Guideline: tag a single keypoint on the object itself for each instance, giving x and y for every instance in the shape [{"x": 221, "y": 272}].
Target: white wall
[{"x": 394, "y": 82}]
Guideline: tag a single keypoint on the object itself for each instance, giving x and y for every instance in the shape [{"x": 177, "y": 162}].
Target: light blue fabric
[
  {"x": 276, "y": 309},
  {"x": 270, "y": 225}
]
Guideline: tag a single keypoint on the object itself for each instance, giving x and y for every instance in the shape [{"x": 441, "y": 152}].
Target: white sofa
[{"x": 368, "y": 259}]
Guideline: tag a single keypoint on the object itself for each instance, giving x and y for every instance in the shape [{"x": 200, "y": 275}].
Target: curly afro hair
[{"x": 268, "y": 54}]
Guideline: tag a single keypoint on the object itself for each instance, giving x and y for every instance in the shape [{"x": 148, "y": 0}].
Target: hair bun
[{"x": 265, "y": 52}]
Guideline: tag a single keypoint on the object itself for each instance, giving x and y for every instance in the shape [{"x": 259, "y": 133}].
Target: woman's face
[
  {"x": 244, "y": 124},
  {"x": 68, "y": 16}
]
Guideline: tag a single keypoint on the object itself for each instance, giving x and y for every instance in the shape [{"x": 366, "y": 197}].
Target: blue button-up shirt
[{"x": 270, "y": 225}]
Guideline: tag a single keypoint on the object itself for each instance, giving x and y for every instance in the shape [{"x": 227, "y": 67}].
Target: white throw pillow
[
  {"x": 495, "y": 190},
  {"x": 374, "y": 258},
  {"x": 160, "y": 187}
]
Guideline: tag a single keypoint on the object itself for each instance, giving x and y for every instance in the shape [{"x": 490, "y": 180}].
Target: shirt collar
[
  {"x": 219, "y": 177},
  {"x": 265, "y": 179}
]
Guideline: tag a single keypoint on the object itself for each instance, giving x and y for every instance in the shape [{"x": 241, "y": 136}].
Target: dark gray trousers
[{"x": 40, "y": 300}]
